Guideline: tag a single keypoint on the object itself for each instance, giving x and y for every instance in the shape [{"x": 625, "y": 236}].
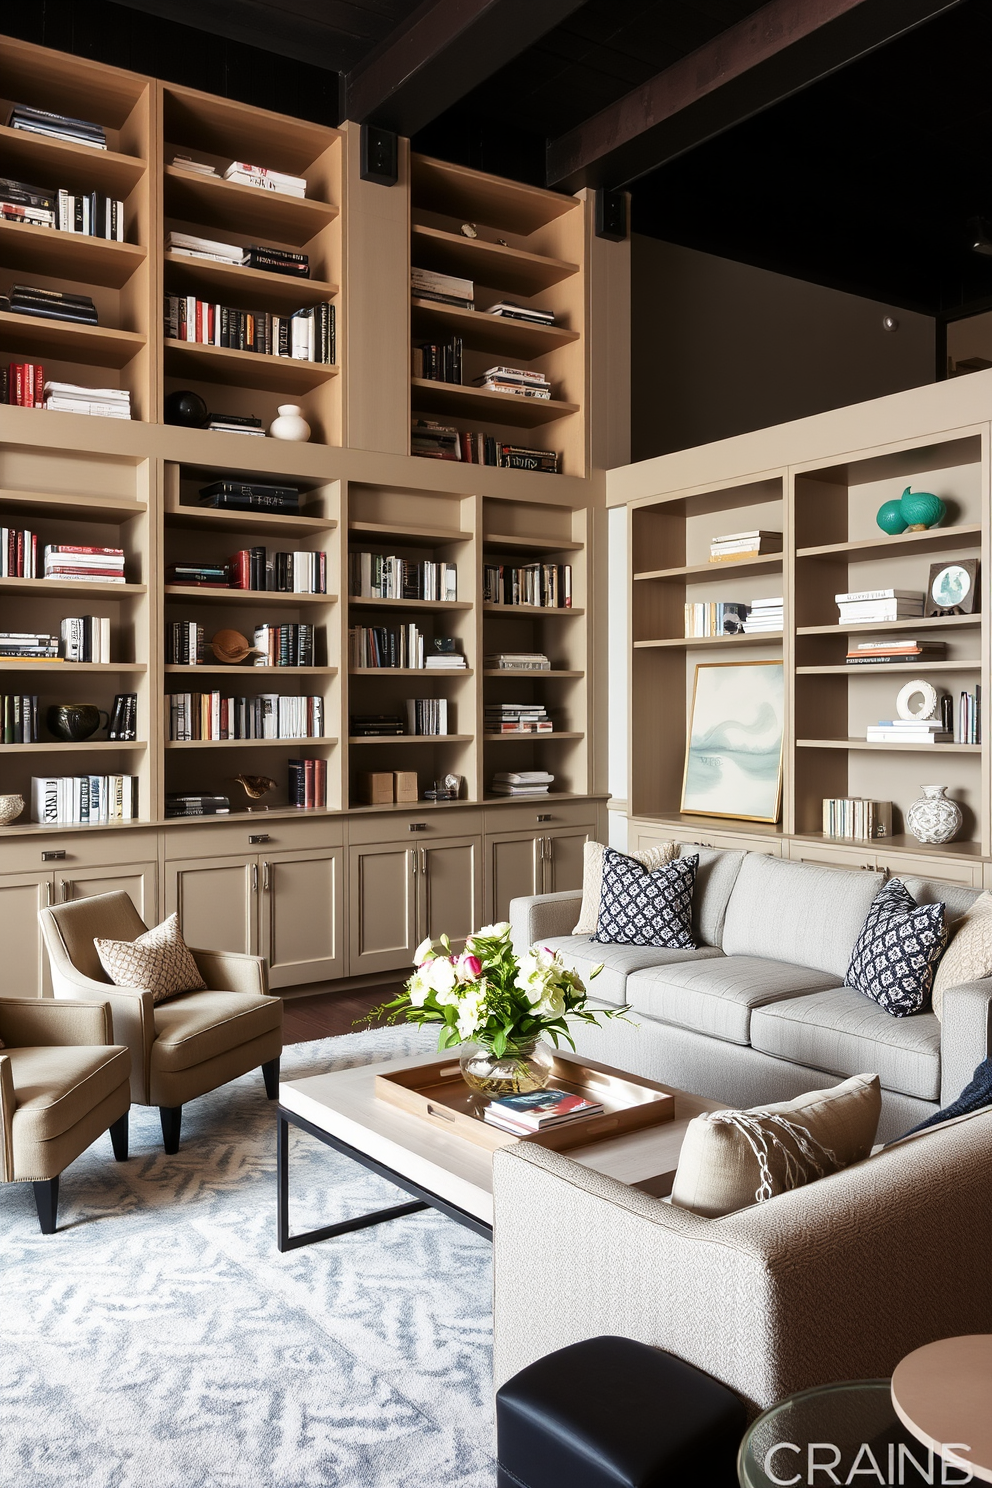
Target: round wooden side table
[{"x": 942, "y": 1393}]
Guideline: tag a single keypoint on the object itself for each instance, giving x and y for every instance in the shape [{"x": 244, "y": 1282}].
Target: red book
[
  {"x": 198, "y": 328},
  {"x": 17, "y": 384},
  {"x": 225, "y": 718},
  {"x": 39, "y": 386},
  {"x": 19, "y": 556},
  {"x": 239, "y": 566},
  {"x": 28, "y": 385},
  {"x": 320, "y": 783},
  {"x": 68, "y": 548},
  {"x": 34, "y": 555},
  {"x": 308, "y": 784}
]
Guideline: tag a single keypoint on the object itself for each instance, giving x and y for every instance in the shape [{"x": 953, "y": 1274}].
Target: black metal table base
[{"x": 422, "y": 1198}]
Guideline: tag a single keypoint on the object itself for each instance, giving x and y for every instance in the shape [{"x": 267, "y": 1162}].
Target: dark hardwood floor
[{"x": 329, "y": 1013}]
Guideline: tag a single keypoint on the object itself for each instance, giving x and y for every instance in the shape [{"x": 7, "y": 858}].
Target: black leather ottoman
[{"x": 612, "y": 1413}]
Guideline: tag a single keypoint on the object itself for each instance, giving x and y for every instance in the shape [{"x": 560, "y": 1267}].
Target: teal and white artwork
[{"x": 733, "y": 763}]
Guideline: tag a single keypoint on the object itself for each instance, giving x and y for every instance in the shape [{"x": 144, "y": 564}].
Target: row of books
[
  {"x": 49, "y": 304},
  {"x": 522, "y": 783},
  {"x": 277, "y": 645},
  {"x": 442, "y": 289},
  {"x": 400, "y": 646},
  {"x": 242, "y": 174},
  {"x": 92, "y": 214},
  {"x": 85, "y": 638},
  {"x": 894, "y": 649},
  {"x": 856, "y": 817},
  {"x": 270, "y": 715},
  {"x": 278, "y": 572},
  {"x": 864, "y": 606},
  {"x": 383, "y": 576},
  {"x": 968, "y": 723},
  {"x": 734, "y": 547},
  {"x": 19, "y": 718},
  {"x": 228, "y": 495},
  {"x": 196, "y": 803},
  {"x": 427, "y": 716},
  {"x": 18, "y": 553},
  {"x": 305, "y": 335},
  {"x": 271, "y": 260},
  {"x": 84, "y": 564},
  {"x": 57, "y": 126},
  {"x": 124, "y": 718},
  {"x": 517, "y": 718},
  {"x": 715, "y": 618},
  {"x": 22, "y": 385},
  {"x": 433, "y": 441},
  {"x": 84, "y": 800},
  {"x": 547, "y": 585},
  {"x": 438, "y": 361},
  {"x": 307, "y": 785},
  {"x": 518, "y": 661}
]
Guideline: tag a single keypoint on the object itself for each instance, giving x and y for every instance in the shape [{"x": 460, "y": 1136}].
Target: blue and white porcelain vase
[{"x": 934, "y": 818}]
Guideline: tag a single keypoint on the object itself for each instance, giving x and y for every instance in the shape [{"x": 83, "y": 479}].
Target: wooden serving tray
[{"x": 437, "y": 1093}]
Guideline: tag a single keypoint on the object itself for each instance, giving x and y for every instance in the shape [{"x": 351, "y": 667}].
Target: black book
[
  {"x": 297, "y": 782},
  {"x": 242, "y": 420},
  {"x": 23, "y": 195},
  {"x": 33, "y": 292},
  {"x": 73, "y": 313},
  {"x": 28, "y": 113}
]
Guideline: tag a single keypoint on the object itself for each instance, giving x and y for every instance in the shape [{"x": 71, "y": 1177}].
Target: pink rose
[{"x": 470, "y": 964}]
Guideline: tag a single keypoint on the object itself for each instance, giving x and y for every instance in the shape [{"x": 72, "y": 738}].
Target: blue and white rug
[{"x": 159, "y": 1339}]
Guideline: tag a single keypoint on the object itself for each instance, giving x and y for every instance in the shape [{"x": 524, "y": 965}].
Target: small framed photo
[{"x": 952, "y": 588}]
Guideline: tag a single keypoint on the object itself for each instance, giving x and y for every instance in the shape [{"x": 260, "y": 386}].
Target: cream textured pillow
[
  {"x": 968, "y": 957},
  {"x": 732, "y": 1159},
  {"x": 159, "y": 962},
  {"x": 592, "y": 877}
]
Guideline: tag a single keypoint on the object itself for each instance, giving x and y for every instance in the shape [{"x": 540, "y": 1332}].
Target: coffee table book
[{"x": 437, "y": 1093}]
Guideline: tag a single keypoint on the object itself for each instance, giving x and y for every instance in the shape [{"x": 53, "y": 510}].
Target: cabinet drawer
[
  {"x": 832, "y": 855},
  {"x": 432, "y": 821},
  {"x": 540, "y": 816},
  {"x": 640, "y": 836},
  {"x": 216, "y": 838},
  {"x": 23, "y": 854},
  {"x": 968, "y": 875}
]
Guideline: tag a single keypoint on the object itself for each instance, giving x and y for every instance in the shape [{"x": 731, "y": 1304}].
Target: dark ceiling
[{"x": 865, "y": 180}]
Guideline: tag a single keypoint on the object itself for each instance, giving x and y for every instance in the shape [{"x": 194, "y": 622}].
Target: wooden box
[
  {"x": 437, "y": 1093},
  {"x": 405, "y": 785},
  {"x": 375, "y": 788}
]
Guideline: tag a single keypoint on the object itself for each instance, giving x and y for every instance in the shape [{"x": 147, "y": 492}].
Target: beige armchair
[
  {"x": 183, "y": 1047},
  {"x": 63, "y": 1082}
]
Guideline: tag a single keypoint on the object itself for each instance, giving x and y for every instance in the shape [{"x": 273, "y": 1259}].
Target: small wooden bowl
[{"x": 231, "y": 647}]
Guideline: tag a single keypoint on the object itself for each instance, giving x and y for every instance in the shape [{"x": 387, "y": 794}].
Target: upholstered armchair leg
[
  {"x": 270, "y": 1074},
  {"x": 46, "y": 1197},
  {"x": 172, "y": 1120},
  {"x": 118, "y": 1135}
]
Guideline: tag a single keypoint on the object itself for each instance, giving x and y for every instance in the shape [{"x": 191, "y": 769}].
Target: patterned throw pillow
[
  {"x": 592, "y": 877},
  {"x": 897, "y": 951},
  {"x": 968, "y": 957},
  {"x": 159, "y": 962},
  {"x": 644, "y": 907}
]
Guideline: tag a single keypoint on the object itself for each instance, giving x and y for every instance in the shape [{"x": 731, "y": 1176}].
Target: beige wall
[{"x": 720, "y": 348}]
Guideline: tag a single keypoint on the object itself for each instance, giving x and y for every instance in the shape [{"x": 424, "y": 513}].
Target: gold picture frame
[{"x": 735, "y": 759}]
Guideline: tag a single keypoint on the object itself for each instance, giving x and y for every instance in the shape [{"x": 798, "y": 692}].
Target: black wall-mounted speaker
[
  {"x": 611, "y": 215},
  {"x": 380, "y": 155}
]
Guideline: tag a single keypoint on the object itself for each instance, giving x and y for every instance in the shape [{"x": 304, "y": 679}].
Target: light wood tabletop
[{"x": 942, "y": 1393}]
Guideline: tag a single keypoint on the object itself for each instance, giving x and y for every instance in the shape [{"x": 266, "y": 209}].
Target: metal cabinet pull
[
  {"x": 254, "y": 878},
  {"x": 254, "y": 837},
  {"x": 413, "y": 861},
  {"x": 418, "y": 826},
  {"x": 65, "y": 885},
  {"x": 53, "y": 856},
  {"x": 266, "y": 876},
  {"x": 545, "y": 816},
  {"x": 48, "y": 892},
  {"x": 423, "y": 860}
]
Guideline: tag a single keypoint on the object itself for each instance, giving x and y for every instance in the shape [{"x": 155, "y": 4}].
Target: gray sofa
[{"x": 759, "y": 1011}]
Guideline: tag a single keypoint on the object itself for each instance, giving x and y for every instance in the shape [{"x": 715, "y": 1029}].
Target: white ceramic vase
[
  {"x": 290, "y": 424},
  {"x": 933, "y": 818}
]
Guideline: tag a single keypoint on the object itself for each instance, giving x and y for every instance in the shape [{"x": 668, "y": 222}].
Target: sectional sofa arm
[
  {"x": 543, "y": 916},
  {"x": 45, "y": 1023},
  {"x": 965, "y": 1035},
  {"x": 8, "y": 1104},
  {"x": 232, "y": 971}
]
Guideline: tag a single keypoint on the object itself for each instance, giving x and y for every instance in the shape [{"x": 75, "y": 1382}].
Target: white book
[{"x": 858, "y": 596}]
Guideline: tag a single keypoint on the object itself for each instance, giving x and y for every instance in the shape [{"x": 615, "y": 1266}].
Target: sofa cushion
[
  {"x": 717, "y": 996},
  {"x": 592, "y": 877},
  {"x": 639, "y": 906},
  {"x": 896, "y": 954},
  {"x": 956, "y": 899},
  {"x": 56, "y": 1086},
  {"x": 200, "y": 1025},
  {"x": 582, "y": 954},
  {"x": 798, "y": 912},
  {"x": 968, "y": 957},
  {"x": 842, "y": 1032},
  {"x": 715, "y": 878}
]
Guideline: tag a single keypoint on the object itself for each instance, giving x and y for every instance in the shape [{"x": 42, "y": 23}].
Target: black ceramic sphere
[
  {"x": 186, "y": 408},
  {"x": 74, "y": 722}
]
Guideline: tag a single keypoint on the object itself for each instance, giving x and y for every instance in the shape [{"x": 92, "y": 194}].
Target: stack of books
[
  {"x": 444, "y": 657},
  {"x": 84, "y": 564},
  {"x": 270, "y": 715},
  {"x": 28, "y": 645},
  {"x": 899, "y": 649},
  {"x": 18, "y": 553},
  {"x": 284, "y": 645},
  {"x": 439, "y": 361},
  {"x": 68, "y": 397},
  {"x": 734, "y": 547},
  {"x": 383, "y": 646},
  {"x": 198, "y": 167},
  {"x": 522, "y": 783},
  {"x": 57, "y": 126},
  {"x": 546, "y": 585},
  {"x": 280, "y": 573},
  {"x": 265, "y": 179},
  {"x": 518, "y": 661},
  {"x": 84, "y": 800},
  {"x": 188, "y": 245},
  {"x": 276, "y": 261},
  {"x": 85, "y": 638},
  {"x": 308, "y": 784},
  {"x": 509, "y": 311},
  {"x": 20, "y": 202},
  {"x": 124, "y": 718},
  {"x": 230, "y": 495},
  {"x": 381, "y": 576},
  {"x": 854, "y": 816},
  {"x": 514, "y": 380},
  {"x": 866, "y": 606},
  {"x": 485, "y": 449},
  {"x": 968, "y": 728},
  {"x": 764, "y": 614},
  {"x": 377, "y": 725},
  {"x": 715, "y": 618},
  {"x": 19, "y": 716},
  {"x": 184, "y": 643},
  {"x": 22, "y": 385},
  {"x": 305, "y": 335},
  {"x": 236, "y": 423},
  {"x": 443, "y": 289},
  {"x": 538, "y": 1111},
  {"x": 94, "y": 215},
  {"x": 50, "y": 304},
  {"x": 427, "y": 716},
  {"x": 434, "y": 441},
  {"x": 197, "y": 803},
  {"x": 198, "y": 575},
  {"x": 908, "y": 731},
  {"x": 517, "y": 718}
]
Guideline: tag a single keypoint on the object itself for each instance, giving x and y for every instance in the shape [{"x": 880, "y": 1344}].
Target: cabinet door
[
  {"x": 516, "y": 871},
  {"x": 25, "y": 962},
  {"x": 383, "y": 907},
  {"x": 563, "y": 860},
  {"x": 451, "y": 889},
  {"x": 829, "y": 855},
  {"x": 217, "y": 902},
  {"x": 301, "y": 915},
  {"x": 140, "y": 880}
]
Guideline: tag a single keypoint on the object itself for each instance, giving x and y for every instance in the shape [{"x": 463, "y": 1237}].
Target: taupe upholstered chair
[
  {"x": 187, "y": 1045},
  {"x": 63, "y": 1082}
]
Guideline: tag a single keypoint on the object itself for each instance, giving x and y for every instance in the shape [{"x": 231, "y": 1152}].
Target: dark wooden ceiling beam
[
  {"x": 779, "y": 50},
  {"x": 444, "y": 51}
]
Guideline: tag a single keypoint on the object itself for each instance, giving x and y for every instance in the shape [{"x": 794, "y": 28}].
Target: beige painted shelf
[
  {"x": 898, "y": 842},
  {"x": 510, "y": 269},
  {"x": 471, "y": 402},
  {"x": 62, "y": 667},
  {"x": 76, "y": 587},
  {"x": 97, "y": 345},
  {"x": 517, "y": 738},
  {"x": 274, "y": 292},
  {"x": 244, "y": 209},
  {"x": 411, "y": 672},
  {"x": 935, "y": 539},
  {"x": 557, "y": 612},
  {"x": 251, "y": 369},
  {"x": 217, "y": 668},
  {"x": 766, "y": 565},
  {"x": 413, "y": 536},
  {"x": 253, "y": 597},
  {"x": 501, "y": 334},
  {"x": 888, "y": 747},
  {"x": 409, "y": 604},
  {"x": 411, "y": 739},
  {"x": 694, "y": 643},
  {"x": 506, "y": 542},
  {"x": 67, "y": 504},
  {"x": 247, "y": 743},
  {"x": 220, "y": 520},
  {"x": 85, "y": 746},
  {"x": 84, "y": 260},
  {"x": 936, "y": 622},
  {"x": 909, "y": 668},
  {"x": 78, "y": 167},
  {"x": 531, "y": 674},
  {"x": 458, "y": 191}
]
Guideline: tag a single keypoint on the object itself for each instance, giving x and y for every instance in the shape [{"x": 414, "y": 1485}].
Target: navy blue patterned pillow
[
  {"x": 897, "y": 950},
  {"x": 638, "y": 906}
]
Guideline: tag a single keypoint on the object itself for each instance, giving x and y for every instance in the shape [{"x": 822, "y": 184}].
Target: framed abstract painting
[{"x": 733, "y": 756}]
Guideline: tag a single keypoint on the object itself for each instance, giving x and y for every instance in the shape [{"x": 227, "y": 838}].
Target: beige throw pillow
[
  {"x": 592, "y": 877},
  {"x": 159, "y": 962},
  {"x": 968, "y": 957},
  {"x": 732, "y": 1159}
]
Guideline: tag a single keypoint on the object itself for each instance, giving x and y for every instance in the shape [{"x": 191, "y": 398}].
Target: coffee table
[
  {"x": 437, "y": 1168},
  {"x": 943, "y": 1394}
]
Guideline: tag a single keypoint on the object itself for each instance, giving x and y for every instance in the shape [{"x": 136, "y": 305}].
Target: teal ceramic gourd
[
  {"x": 891, "y": 518},
  {"x": 921, "y": 509}
]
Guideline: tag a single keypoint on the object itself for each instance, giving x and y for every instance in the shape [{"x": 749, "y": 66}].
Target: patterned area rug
[{"x": 159, "y": 1339}]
